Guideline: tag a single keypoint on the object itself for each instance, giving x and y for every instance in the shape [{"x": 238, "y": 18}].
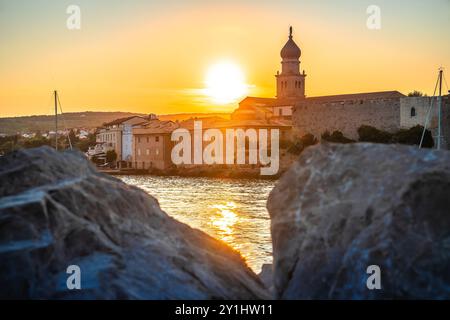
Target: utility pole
[
  {"x": 56, "y": 119},
  {"x": 440, "y": 109}
]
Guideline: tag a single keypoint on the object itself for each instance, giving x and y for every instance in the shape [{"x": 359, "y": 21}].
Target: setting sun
[{"x": 225, "y": 83}]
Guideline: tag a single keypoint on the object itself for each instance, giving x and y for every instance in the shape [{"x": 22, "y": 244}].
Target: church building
[
  {"x": 386, "y": 110},
  {"x": 290, "y": 84}
]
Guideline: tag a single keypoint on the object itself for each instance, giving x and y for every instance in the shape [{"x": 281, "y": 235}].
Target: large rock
[
  {"x": 342, "y": 208},
  {"x": 56, "y": 210}
]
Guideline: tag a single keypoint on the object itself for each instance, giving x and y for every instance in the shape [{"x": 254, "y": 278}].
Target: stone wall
[
  {"x": 421, "y": 107},
  {"x": 346, "y": 116}
]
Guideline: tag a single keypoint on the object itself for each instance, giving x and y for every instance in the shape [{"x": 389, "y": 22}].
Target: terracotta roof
[
  {"x": 252, "y": 109},
  {"x": 258, "y": 100},
  {"x": 269, "y": 102},
  {"x": 156, "y": 127},
  {"x": 121, "y": 120},
  {"x": 254, "y": 123},
  {"x": 237, "y": 124},
  {"x": 208, "y": 122}
]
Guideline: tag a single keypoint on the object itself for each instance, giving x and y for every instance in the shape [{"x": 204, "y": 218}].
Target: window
[
  {"x": 139, "y": 152},
  {"x": 157, "y": 139},
  {"x": 413, "y": 112}
]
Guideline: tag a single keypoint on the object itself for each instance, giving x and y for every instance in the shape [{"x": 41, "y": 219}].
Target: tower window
[{"x": 413, "y": 112}]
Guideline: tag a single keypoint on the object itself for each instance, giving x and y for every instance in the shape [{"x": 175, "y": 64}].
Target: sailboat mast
[
  {"x": 56, "y": 119},
  {"x": 440, "y": 109}
]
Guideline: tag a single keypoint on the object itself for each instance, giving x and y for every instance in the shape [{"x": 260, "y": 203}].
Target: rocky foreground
[
  {"x": 56, "y": 210},
  {"x": 342, "y": 208},
  {"x": 337, "y": 211}
]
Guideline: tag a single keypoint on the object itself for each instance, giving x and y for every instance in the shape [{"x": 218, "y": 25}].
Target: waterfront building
[
  {"x": 118, "y": 135},
  {"x": 151, "y": 144}
]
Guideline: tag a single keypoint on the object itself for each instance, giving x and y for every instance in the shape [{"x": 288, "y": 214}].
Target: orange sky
[{"x": 153, "y": 57}]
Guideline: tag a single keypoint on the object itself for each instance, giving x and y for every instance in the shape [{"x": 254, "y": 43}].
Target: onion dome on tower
[
  {"x": 290, "y": 49},
  {"x": 290, "y": 82}
]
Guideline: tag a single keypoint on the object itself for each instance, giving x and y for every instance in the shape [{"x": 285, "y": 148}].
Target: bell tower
[{"x": 290, "y": 82}]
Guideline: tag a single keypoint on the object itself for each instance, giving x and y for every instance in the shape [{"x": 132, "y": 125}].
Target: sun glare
[{"x": 225, "y": 83}]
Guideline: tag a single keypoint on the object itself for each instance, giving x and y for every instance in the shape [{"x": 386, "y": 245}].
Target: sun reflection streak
[{"x": 224, "y": 220}]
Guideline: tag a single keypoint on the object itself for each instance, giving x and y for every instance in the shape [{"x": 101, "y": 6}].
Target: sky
[{"x": 154, "y": 56}]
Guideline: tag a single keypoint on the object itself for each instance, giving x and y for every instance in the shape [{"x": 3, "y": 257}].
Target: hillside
[{"x": 87, "y": 119}]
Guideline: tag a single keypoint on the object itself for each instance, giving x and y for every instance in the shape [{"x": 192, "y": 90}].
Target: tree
[
  {"x": 73, "y": 138},
  {"x": 84, "y": 144},
  {"x": 111, "y": 156},
  {"x": 416, "y": 93},
  {"x": 36, "y": 142}
]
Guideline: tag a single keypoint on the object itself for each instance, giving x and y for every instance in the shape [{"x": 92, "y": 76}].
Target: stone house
[{"x": 152, "y": 145}]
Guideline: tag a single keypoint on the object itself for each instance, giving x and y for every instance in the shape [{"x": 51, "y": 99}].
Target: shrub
[
  {"x": 413, "y": 135},
  {"x": 308, "y": 140},
  {"x": 372, "y": 134},
  {"x": 409, "y": 136},
  {"x": 336, "y": 137},
  {"x": 304, "y": 142}
]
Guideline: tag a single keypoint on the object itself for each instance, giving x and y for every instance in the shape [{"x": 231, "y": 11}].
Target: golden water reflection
[
  {"x": 224, "y": 220},
  {"x": 232, "y": 210}
]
